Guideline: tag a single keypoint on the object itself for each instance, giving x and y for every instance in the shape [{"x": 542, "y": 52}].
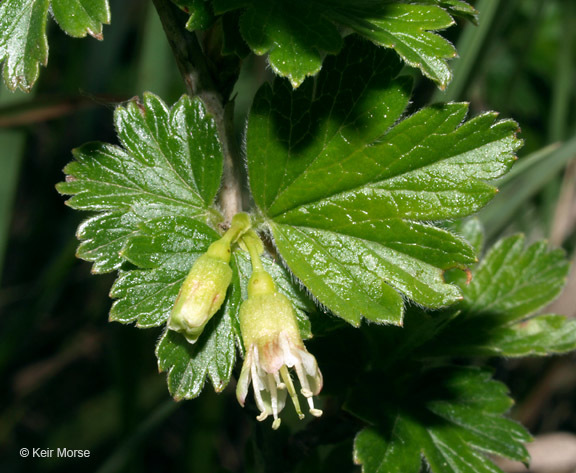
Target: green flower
[
  {"x": 273, "y": 346},
  {"x": 204, "y": 289}
]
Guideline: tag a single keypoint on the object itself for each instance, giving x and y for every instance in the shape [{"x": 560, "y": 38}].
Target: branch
[{"x": 193, "y": 67}]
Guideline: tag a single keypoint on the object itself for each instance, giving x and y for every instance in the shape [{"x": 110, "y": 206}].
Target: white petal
[{"x": 244, "y": 379}]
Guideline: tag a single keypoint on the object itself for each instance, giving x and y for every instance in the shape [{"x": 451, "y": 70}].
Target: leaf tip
[{"x": 97, "y": 35}]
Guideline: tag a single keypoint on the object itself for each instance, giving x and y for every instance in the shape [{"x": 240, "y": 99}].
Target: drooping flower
[
  {"x": 204, "y": 289},
  {"x": 273, "y": 346}
]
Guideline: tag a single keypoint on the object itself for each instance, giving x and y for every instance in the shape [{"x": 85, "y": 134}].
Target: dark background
[{"x": 71, "y": 379}]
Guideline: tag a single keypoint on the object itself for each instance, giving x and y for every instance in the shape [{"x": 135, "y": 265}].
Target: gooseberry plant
[{"x": 350, "y": 229}]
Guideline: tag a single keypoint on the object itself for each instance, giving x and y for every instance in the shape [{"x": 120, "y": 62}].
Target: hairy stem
[{"x": 193, "y": 66}]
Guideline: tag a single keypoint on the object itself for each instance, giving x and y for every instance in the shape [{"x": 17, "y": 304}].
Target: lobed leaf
[
  {"x": 539, "y": 336},
  {"x": 508, "y": 287},
  {"x": 170, "y": 164},
  {"x": 81, "y": 17},
  {"x": 201, "y": 16},
  {"x": 450, "y": 419},
  {"x": 23, "y": 42},
  {"x": 514, "y": 281},
  {"x": 297, "y": 34},
  {"x": 165, "y": 250},
  {"x": 349, "y": 194}
]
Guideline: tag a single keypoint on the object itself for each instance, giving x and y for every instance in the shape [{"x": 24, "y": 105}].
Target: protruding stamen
[
  {"x": 279, "y": 383},
  {"x": 276, "y": 423},
  {"x": 290, "y": 386},
  {"x": 315, "y": 412}
]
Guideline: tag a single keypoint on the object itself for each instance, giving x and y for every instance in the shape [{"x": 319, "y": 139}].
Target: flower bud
[
  {"x": 201, "y": 294},
  {"x": 204, "y": 289}
]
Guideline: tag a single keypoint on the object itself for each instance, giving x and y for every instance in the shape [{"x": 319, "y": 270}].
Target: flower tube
[
  {"x": 273, "y": 346},
  {"x": 204, "y": 289}
]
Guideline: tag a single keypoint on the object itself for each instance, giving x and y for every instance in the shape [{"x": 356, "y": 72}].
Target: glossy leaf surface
[
  {"x": 348, "y": 190},
  {"x": 298, "y": 33},
  {"x": 23, "y": 41},
  {"x": 164, "y": 251},
  {"x": 508, "y": 287},
  {"x": 170, "y": 164},
  {"x": 81, "y": 17}
]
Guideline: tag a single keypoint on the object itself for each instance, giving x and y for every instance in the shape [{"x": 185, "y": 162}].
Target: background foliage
[{"x": 72, "y": 379}]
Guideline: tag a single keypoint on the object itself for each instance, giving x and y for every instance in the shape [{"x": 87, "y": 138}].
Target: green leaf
[
  {"x": 165, "y": 250},
  {"x": 407, "y": 28},
  {"x": 508, "y": 286},
  {"x": 539, "y": 336},
  {"x": 170, "y": 164},
  {"x": 455, "y": 8},
  {"x": 81, "y": 17},
  {"x": 349, "y": 194},
  {"x": 513, "y": 281},
  {"x": 472, "y": 230},
  {"x": 23, "y": 43},
  {"x": 449, "y": 417},
  {"x": 297, "y": 34},
  {"x": 201, "y": 16}
]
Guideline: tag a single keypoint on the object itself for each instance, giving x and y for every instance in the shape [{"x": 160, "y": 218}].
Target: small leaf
[
  {"x": 201, "y": 16},
  {"x": 349, "y": 194},
  {"x": 514, "y": 281},
  {"x": 407, "y": 29},
  {"x": 81, "y": 17},
  {"x": 165, "y": 249},
  {"x": 539, "y": 336},
  {"x": 449, "y": 417},
  {"x": 170, "y": 164},
  {"x": 297, "y": 34},
  {"x": 23, "y": 43},
  {"x": 509, "y": 285}
]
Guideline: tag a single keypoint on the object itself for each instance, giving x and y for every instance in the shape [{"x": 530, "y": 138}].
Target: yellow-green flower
[
  {"x": 273, "y": 346},
  {"x": 204, "y": 289}
]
